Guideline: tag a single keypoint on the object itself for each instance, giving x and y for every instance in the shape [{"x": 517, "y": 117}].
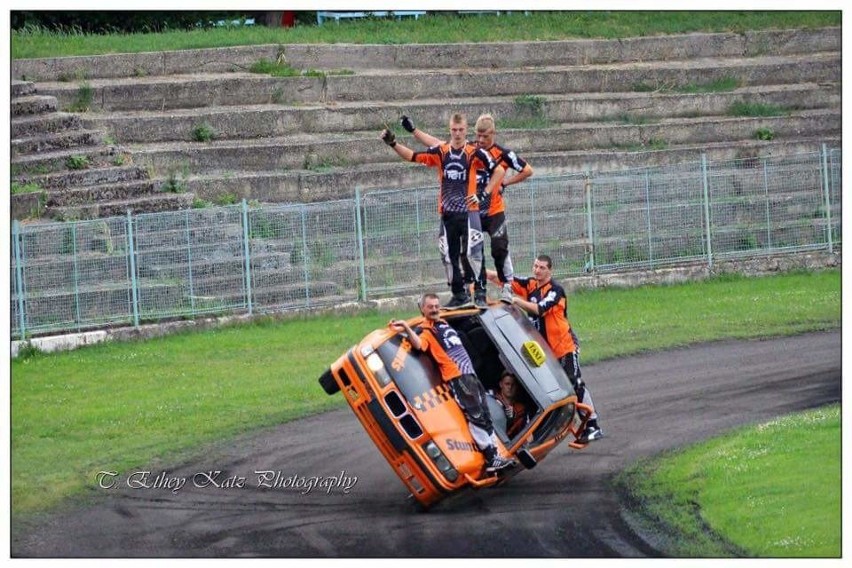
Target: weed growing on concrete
[
  {"x": 27, "y": 350},
  {"x": 175, "y": 181},
  {"x": 29, "y": 187},
  {"x": 83, "y": 99},
  {"x": 531, "y": 105},
  {"x": 77, "y": 162},
  {"x": 198, "y": 203},
  {"x": 764, "y": 133},
  {"x": 203, "y": 132},
  {"x": 278, "y": 95},
  {"x": 756, "y": 109},
  {"x": 226, "y": 199},
  {"x": 274, "y": 68}
]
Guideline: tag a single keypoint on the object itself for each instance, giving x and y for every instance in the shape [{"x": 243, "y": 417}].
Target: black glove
[
  {"x": 389, "y": 138},
  {"x": 407, "y": 123}
]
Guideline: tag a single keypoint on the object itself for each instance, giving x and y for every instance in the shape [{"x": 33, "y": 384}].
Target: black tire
[
  {"x": 328, "y": 384},
  {"x": 526, "y": 458}
]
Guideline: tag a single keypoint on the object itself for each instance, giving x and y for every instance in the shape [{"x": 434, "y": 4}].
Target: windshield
[
  {"x": 413, "y": 372},
  {"x": 553, "y": 423}
]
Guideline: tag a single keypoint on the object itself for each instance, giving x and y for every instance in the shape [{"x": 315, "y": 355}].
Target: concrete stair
[
  {"x": 565, "y": 106},
  {"x": 76, "y": 173}
]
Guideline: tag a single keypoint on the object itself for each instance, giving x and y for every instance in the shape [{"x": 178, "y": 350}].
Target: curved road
[{"x": 563, "y": 508}]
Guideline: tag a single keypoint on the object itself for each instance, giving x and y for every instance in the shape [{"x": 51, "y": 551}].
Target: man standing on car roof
[
  {"x": 443, "y": 344},
  {"x": 547, "y": 305},
  {"x": 492, "y": 209},
  {"x": 458, "y": 203}
]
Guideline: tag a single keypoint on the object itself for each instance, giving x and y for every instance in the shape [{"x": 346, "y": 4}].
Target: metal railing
[{"x": 126, "y": 270}]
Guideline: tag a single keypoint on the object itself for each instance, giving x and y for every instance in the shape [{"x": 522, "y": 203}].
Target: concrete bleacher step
[
  {"x": 70, "y": 139},
  {"x": 21, "y": 88},
  {"x": 21, "y": 127},
  {"x": 167, "y": 93},
  {"x": 340, "y": 182},
  {"x": 86, "y": 177},
  {"x": 103, "y": 192},
  {"x": 33, "y": 104},
  {"x": 264, "y": 121},
  {"x": 307, "y": 151},
  {"x": 150, "y": 204},
  {"x": 59, "y": 160},
  {"x": 589, "y": 105}
]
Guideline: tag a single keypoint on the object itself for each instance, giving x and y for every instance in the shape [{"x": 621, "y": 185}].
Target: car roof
[{"x": 509, "y": 328}]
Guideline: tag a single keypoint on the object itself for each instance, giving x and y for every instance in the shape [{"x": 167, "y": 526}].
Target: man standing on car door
[
  {"x": 544, "y": 300},
  {"x": 441, "y": 342},
  {"x": 458, "y": 202}
]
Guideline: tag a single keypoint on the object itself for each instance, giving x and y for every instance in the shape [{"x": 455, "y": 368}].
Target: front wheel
[{"x": 328, "y": 384}]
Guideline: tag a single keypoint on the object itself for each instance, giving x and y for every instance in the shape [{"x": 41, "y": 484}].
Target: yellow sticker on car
[{"x": 534, "y": 353}]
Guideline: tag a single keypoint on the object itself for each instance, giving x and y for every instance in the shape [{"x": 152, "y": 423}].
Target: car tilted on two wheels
[{"x": 410, "y": 414}]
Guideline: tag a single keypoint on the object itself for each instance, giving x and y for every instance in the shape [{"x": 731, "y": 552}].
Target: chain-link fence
[{"x": 236, "y": 259}]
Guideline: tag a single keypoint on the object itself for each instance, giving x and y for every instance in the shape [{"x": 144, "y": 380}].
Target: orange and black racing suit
[
  {"x": 461, "y": 228},
  {"x": 492, "y": 211},
  {"x": 552, "y": 322},
  {"x": 444, "y": 345}
]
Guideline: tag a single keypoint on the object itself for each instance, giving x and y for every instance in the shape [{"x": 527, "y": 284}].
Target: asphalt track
[{"x": 563, "y": 508}]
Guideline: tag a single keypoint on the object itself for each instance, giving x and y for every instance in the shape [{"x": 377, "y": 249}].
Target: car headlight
[
  {"x": 441, "y": 461},
  {"x": 377, "y": 366}
]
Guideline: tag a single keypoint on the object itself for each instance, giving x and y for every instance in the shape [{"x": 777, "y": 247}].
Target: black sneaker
[
  {"x": 480, "y": 299},
  {"x": 497, "y": 463},
  {"x": 590, "y": 434},
  {"x": 459, "y": 300}
]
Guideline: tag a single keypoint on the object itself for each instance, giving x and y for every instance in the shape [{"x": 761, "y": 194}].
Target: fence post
[
  {"x": 827, "y": 195},
  {"x": 305, "y": 256},
  {"x": 246, "y": 255},
  {"x": 189, "y": 261},
  {"x": 19, "y": 278},
  {"x": 648, "y": 217},
  {"x": 359, "y": 235},
  {"x": 590, "y": 222},
  {"x": 134, "y": 292},
  {"x": 76, "y": 273},
  {"x": 768, "y": 205},
  {"x": 706, "y": 183}
]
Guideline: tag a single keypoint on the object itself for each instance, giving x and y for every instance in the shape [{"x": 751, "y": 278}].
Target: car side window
[{"x": 413, "y": 372}]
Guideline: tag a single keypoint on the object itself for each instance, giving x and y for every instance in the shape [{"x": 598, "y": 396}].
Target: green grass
[
  {"x": 433, "y": 28},
  {"x": 29, "y": 187},
  {"x": 756, "y": 109},
  {"x": 747, "y": 486},
  {"x": 622, "y": 321},
  {"x": 122, "y": 405}
]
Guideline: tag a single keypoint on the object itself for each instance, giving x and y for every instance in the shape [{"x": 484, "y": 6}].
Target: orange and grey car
[{"x": 410, "y": 414}]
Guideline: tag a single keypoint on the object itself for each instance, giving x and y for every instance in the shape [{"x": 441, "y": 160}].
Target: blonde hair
[{"x": 484, "y": 123}]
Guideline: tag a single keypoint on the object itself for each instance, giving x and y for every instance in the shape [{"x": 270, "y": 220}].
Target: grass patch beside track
[
  {"x": 119, "y": 406},
  {"x": 747, "y": 486}
]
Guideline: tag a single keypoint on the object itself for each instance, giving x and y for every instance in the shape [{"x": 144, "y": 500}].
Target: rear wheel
[{"x": 328, "y": 384}]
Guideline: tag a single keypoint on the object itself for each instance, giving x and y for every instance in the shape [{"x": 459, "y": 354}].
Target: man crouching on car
[{"x": 443, "y": 344}]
